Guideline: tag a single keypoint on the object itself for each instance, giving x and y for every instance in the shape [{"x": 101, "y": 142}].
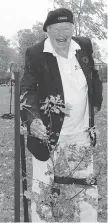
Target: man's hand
[{"x": 38, "y": 129}]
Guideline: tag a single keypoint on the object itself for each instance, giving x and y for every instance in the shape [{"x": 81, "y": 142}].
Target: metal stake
[{"x": 17, "y": 147}]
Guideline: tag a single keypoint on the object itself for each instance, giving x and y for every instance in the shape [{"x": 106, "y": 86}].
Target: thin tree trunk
[{"x": 79, "y": 17}]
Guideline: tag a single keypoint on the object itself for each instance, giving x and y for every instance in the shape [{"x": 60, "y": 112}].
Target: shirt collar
[{"x": 72, "y": 48}]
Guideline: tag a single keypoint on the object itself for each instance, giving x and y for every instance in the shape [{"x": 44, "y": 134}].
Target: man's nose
[{"x": 61, "y": 34}]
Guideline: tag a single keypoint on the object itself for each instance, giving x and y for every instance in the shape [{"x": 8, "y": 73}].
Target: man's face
[{"x": 60, "y": 34}]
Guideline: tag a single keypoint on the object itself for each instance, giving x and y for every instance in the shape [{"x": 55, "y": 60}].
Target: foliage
[
  {"x": 4, "y": 45},
  {"x": 27, "y": 38},
  {"x": 37, "y": 29},
  {"x": 103, "y": 73},
  {"x": 12, "y": 55},
  {"x": 2, "y": 74},
  {"x": 96, "y": 50},
  {"x": 89, "y": 16},
  {"x": 55, "y": 105},
  {"x": 7, "y": 55}
]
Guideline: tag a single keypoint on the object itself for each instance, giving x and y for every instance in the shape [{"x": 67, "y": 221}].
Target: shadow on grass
[{"x": 7, "y": 116}]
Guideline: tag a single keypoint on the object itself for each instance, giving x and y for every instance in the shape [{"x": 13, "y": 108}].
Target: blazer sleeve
[
  {"x": 96, "y": 82},
  {"x": 29, "y": 102}
]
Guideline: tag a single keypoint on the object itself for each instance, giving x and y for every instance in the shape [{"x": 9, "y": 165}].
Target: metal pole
[
  {"x": 24, "y": 180},
  {"x": 11, "y": 97},
  {"x": 17, "y": 147}
]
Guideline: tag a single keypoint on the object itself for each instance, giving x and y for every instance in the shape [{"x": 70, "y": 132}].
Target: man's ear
[
  {"x": 47, "y": 28},
  {"x": 73, "y": 27}
]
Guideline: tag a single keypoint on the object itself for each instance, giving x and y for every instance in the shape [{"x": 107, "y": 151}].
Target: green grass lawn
[{"x": 7, "y": 159}]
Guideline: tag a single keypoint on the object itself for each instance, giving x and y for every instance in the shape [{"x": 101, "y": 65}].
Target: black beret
[{"x": 57, "y": 16}]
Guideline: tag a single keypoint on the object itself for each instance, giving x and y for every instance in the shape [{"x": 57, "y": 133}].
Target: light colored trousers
[{"x": 86, "y": 197}]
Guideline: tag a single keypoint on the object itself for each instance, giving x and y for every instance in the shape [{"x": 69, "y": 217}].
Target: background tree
[
  {"x": 96, "y": 50},
  {"x": 103, "y": 73},
  {"x": 27, "y": 38},
  {"x": 4, "y": 45},
  {"x": 38, "y": 31},
  {"x": 7, "y": 54}
]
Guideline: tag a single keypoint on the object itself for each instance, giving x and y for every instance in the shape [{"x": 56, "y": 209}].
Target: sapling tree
[{"x": 60, "y": 202}]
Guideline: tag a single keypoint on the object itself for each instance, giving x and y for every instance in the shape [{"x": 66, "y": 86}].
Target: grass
[
  {"x": 101, "y": 158},
  {"x": 7, "y": 159}
]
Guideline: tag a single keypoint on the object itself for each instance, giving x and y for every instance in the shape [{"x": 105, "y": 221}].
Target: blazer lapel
[
  {"x": 56, "y": 88},
  {"x": 84, "y": 62},
  {"x": 54, "y": 73}
]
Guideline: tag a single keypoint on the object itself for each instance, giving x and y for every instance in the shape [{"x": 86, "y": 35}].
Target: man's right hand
[{"x": 38, "y": 129}]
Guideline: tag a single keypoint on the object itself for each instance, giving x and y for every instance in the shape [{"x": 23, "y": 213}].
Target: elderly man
[{"x": 62, "y": 68}]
